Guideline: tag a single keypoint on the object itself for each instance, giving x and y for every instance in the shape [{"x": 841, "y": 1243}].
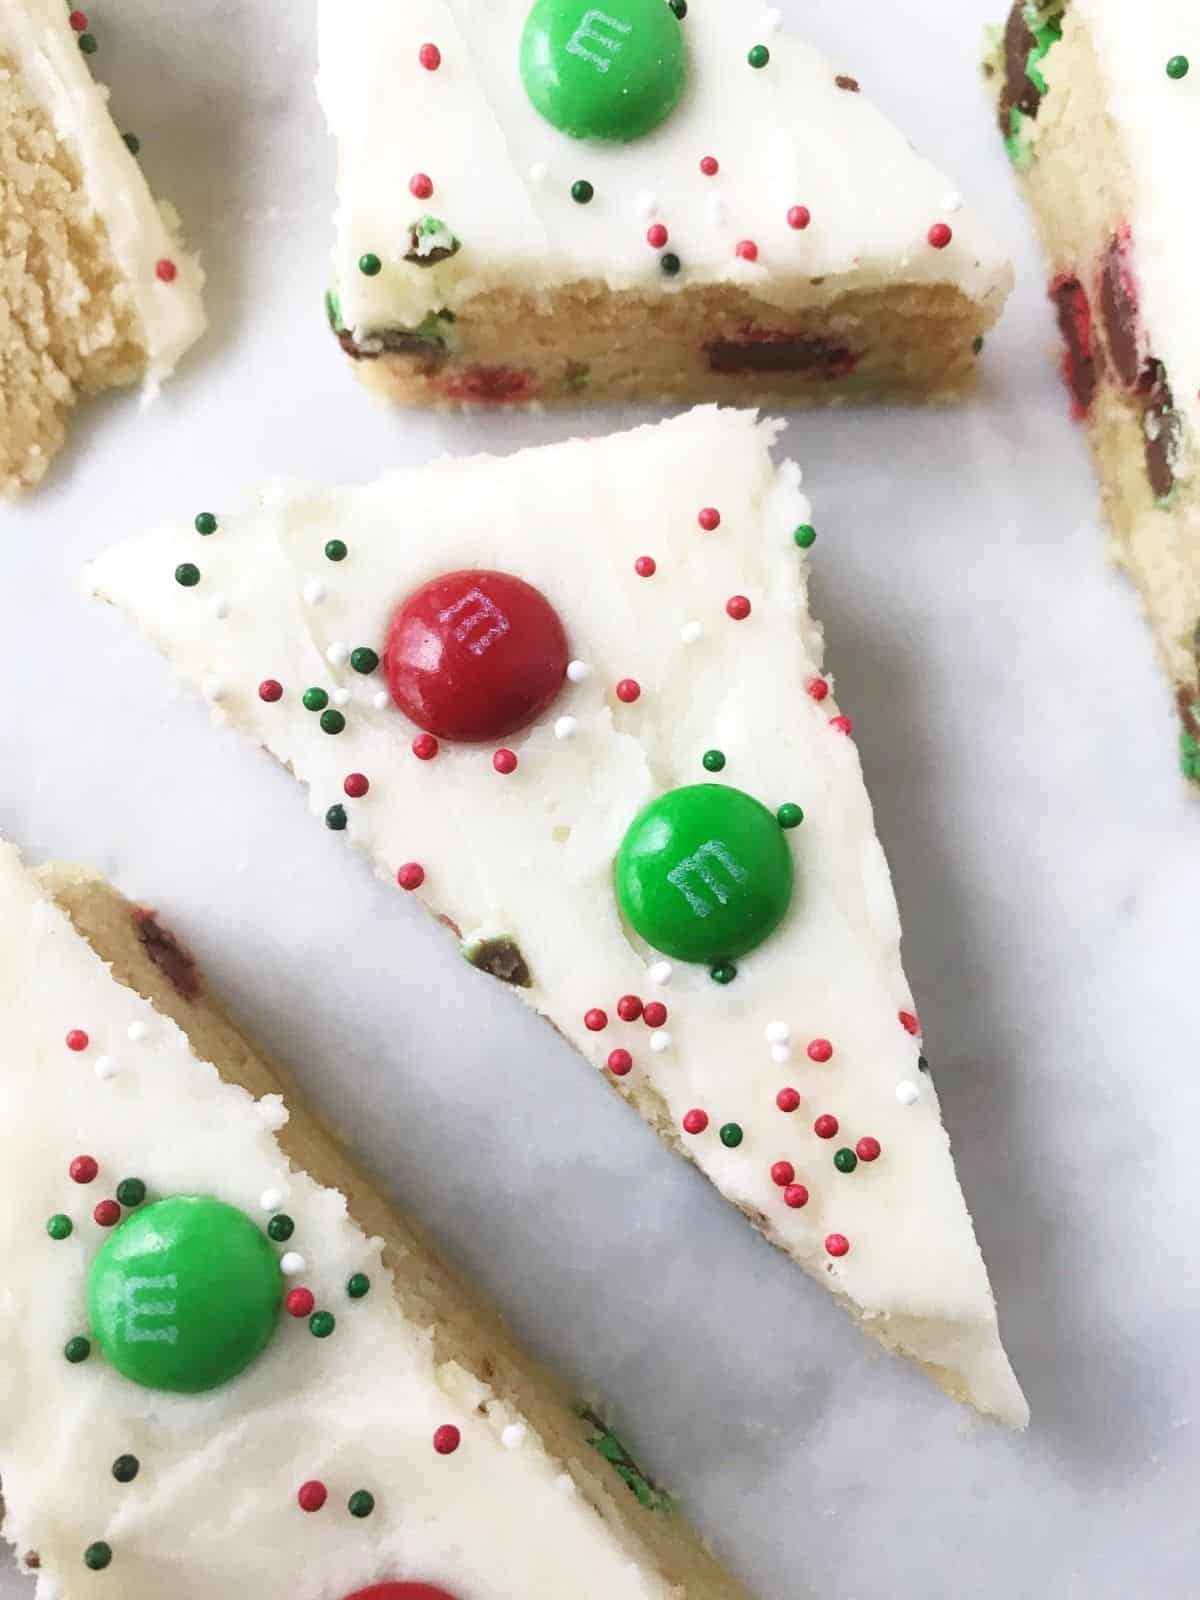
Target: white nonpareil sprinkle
[
  {"x": 578, "y": 671},
  {"x": 315, "y": 591},
  {"x": 953, "y": 201},
  {"x": 777, "y": 1033},
  {"x": 337, "y": 653},
  {"x": 660, "y": 1040},
  {"x": 538, "y": 171},
  {"x": 647, "y": 204},
  {"x": 381, "y": 700},
  {"x": 271, "y": 1199},
  {"x": 292, "y": 1263},
  {"x": 907, "y": 1092},
  {"x": 772, "y": 21},
  {"x": 219, "y": 607},
  {"x": 660, "y": 973},
  {"x": 138, "y": 1031},
  {"x": 690, "y": 632},
  {"x": 513, "y": 1437},
  {"x": 341, "y": 697},
  {"x": 105, "y": 1067},
  {"x": 213, "y": 689},
  {"x": 566, "y": 728},
  {"x": 718, "y": 211},
  {"x": 781, "y": 1054}
]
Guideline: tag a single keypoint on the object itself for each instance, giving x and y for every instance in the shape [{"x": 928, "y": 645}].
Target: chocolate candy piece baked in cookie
[
  {"x": 1102, "y": 119},
  {"x": 574, "y": 700},
  {"x": 559, "y": 201},
  {"x": 229, "y": 1365},
  {"x": 96, "y": 289}
]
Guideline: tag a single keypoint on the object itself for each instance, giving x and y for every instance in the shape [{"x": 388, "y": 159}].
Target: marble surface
[{"x": 1019, "y": 744}]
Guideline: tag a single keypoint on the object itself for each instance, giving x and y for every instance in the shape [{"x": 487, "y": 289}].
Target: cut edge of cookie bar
[
  {"x": 96, "y": 290},
  {"x": 1055, "y": 100},
  {"x": 468, "y": 1336}
]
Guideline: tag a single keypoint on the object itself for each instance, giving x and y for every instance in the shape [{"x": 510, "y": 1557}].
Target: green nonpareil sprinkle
[
  {"x": 1177, "y": 67},
  {"x": 131, "y": 1192},
  {"x": 315, "y": 699},
  {"x": 88, "y": 44},
  {"x": 332, "y": 722},
  {"x": 370, "y": 265},
  {"x": 805, "y": 536},
  {"x": 358, "y": 1285},
  {"x": 361, "y": 1503},
  {"x": 321, "y": 1324},
  {"x": 977, "y": 344},
  {"x": 713, "y": 760},
  {"x": 187, "y": 575},
  {"x": 97, "y": 1556},
  {"x": 336, "y": 550},
  {"x": 723, "y": 972},
  {"x": 335, "y": 818},
  {"x": 60, "y": 1226},
  {"x": 845, "y": 1160},
  {"x": 132, "y": 143},
  {"x": 581, "y": 191},
  {"x": 670, "y": 263},
  {"x": 759, "y": 56},
  {"x": 126, "y": 1468},
  {"x": 280, "y": 1227},
  {"x": 206, "y": 523},
  {"x": 77, "y": 1349},
  {"x": 731, "y": 1135},
  {"x": 364, "y": 659},
  {"x": 789, "y": 815}
]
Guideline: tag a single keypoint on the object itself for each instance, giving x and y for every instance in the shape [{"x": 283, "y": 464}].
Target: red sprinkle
[
  {"x": 783, "y": 1173},
  {"x": 825, "y": 1126},
  {"x": 799, "y": 217},
  {"x": 820, "y": 1050},
  {"x": 299, "y": 1302},
  {"x": 842, "y": 724},
  {"x": 656, "y": 236},
  {"x": 788, "y": 1099},
  {"x": 909, "y": 1021},
  {"x": 645, "y": 566},
  {"x": 312, "y": 1495},
  {"x": 628, "y": 690},
  {"x": 430, "y": 57},
  {"x": 356, "y": 785},
  {"x": 107, "y": 1213},
  {"x": 738, "y": 607},
  {"x": 837, "y": 1244},
  {"x": 595, "y": 1019},
  {"x": 709, "y": 166},
  {"x": 270, "y": 690},
  {"x": 940, "y": 235},
  {"x": 620, "y": 1062},
  {"x": 695, "y": 1121},
  {"x": 795, "y": 1195},
  {"x": 867, "y": 1148},
  {"x": 505, "y": 761},
  {"x": 421, "y": 185},
  {"x": 78, "y": 20},
  {"x": 746, "y": 249},
  {"x": 655, "y": 1014},
  {"x": 166, "y": 271},
  {"x": 817, "y": 688},
  {"x": 446, "y": 1439},
  {"x": 629, "y": 1008},
  {"x": 411, "y": 875},
  {"x": 83, "y": 1169},
  {"x": 425, "y": 747},
  {"x": 77, "y": 1039},
  {"x": 709, "y": 518}
]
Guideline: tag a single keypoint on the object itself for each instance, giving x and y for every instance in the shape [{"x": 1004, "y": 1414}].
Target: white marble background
[{"x": 1020, "y": 748}]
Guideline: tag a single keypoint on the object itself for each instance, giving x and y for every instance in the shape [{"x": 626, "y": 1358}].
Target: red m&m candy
[
  {"x": 474, "y": 655},
  {"x": 401, "y": 1591}
]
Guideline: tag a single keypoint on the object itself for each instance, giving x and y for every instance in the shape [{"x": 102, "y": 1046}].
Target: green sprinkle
[
  {"x": 315, "y": 699},
  {"x": 922, "y": 1064},
  {"x": 361, "y": 1503},
  {"x": 723, "y": 972},
  {"x": 713, "y": 760},
  {"x": 358, "y": 1285},
  {"x": 187, "y": 574},
  {"x": 731, "y": 1135},
  {"x": 789, "y": 815},
  {"x": 845, "y": 1160},
  {"x": 1177, "y": 67},
  {"x": 98, "y": 1555},
  {"x": 977, "y": 344},
  {"x": 126, "y": 1468},
  {"x": 670, "y": 263},
  {"x": 581, "y": 191},
  {"x": 364, "y": 659},
  {"x": 759, "y": 56},
  {"x": 132, "y": 143},
  {"x": 805, "y": 536},
  {"x": 679, "y": 7},
  {"x": 336, "y": 550},
  {"x": 335, "y": 818},
  {"x": 332, "y": 722},
  {"x": 77, "y": 1349},
  {"x": 370, "y": 265},
  {"x": 280, "y": 1227},
  {"x": 206, "y": 523},
  {"x": 59, "y": 1226},
  {"x": 321, "y": 1324},
  {"x": 131, "y": 1191},
  {"x": 87, "y": 43}
]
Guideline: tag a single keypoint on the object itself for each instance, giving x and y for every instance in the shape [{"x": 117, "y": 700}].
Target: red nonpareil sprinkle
[
  {"x": 629, "y": 1008},
  {"x": 817, "y": 688},
  {"x": 425, "y": 747},
  {"x": 270, "y": 690},
  {"x": 825, "y": 1127},
  {"x": 421, "y": 185},
  {"x": 107, "y": 1213},
  {"x": 430, "y": 57},
  {"x": 77, "y": 1039},
  {"x": 78, "y": 20},
  {"x": 446, "y": 1439},
  {"x": 299, "y": 1302},
  {"x": 709, "y": 166},
  {"x": 842, "y": 725},
  {"x": 783, "y": 1173},
  {"x": 788, "y": 1099},
  {"x": 166, "y": 271},
  {"x": 628, "y": 690},
  {"x": 709, "y": 518},
  {"x": 620, "y": 1062},
  {"x": 837, "y": 1244},
  {"x": 645, "y": 566},
  {"x": 867, "y": 1148},
  {"x": 656, "y": 236},
  {"x": 746, "y": 249},
  {"x": 940, "y": 235},
  {"x": 820, "y": 1050},
  {"x": 356, "y": 785},
  {"x": 411, "y": 875},
  {"x": 795, "y": 1195},
  {"x": 799, "y": 217},
  {"x": 910, "y": 1022},
  {"x": 738, "y": 607},
  {"x": 655, "y": 1014},
  {"x": 311, "y": 1496},
  {"x": 595, "y": 1019},
  {"x": 83, "y": 1169},
  {"x": 695, "y": 1121},
  {"x": 505, "y": 761}
]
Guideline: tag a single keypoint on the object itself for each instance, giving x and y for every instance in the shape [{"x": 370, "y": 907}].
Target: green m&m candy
[
  {"x": 184, "y": 1294},
  {"x": 704, "y": 873},
  {"x": 610, "y": 71}
]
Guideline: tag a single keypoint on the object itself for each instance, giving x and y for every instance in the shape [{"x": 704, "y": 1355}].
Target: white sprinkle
[
  {"x": 213, "y": 688},
  {"x": 105, "y": 1067},
  {"x": 647, "y": 204},
  {"x": 578, "y": 671},
  {"x": 538, "y": 171},
  {"x": 337, "y": 653},
  {"x": 907, "y": 1092},
  {"x": 660, "y": 973},
  {"x": 718, "y": 211},
  {"x": 772, "y": 20},
  {"x": 781, "y": 1054},
  {"x": 292, "y": 1264},
  {"x": 953, "y": 201},
  {"x": 513, "y": 1437},
  {"x": 219, "y": 607},
  {"x": 315, "y": 591},
  {"x": 660, "y": 1040},
  {"x": 138, "y": 1031},
  {"x": 381, "y": 700},
  {"x": 777, "y": 1033},
  {"x": 566, "y": 728},
  {"x": 690, "y": 632},
  {"x": 270, "y": 1199},
  {"x": 341, "y": 697}
]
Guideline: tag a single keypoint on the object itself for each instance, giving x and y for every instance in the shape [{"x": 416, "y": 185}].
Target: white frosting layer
[
  {"x": 531, "y": 855},
  {"x": 784, "y": 136},
  {"x": 213, "y": 1510},
  {"x": 38, "y": 36}
]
